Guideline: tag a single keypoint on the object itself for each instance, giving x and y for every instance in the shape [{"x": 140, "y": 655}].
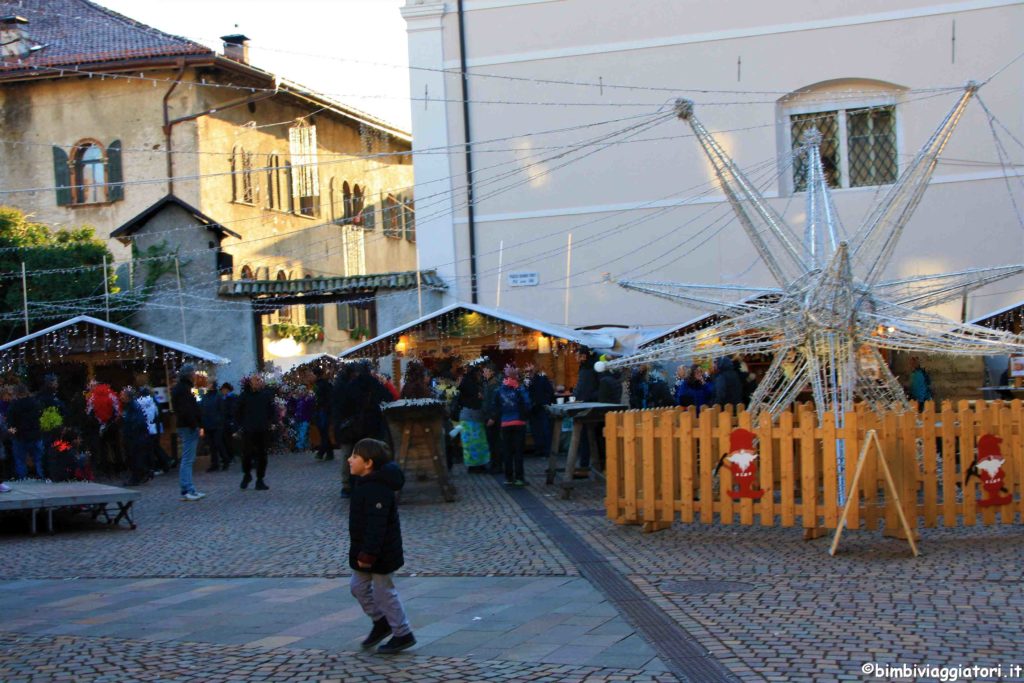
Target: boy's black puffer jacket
[{"x": 373, "y": 526}]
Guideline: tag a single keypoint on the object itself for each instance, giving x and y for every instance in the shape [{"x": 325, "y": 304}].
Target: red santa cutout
[
  {"x": 742, "y": 459},
  {"x": 988, "y": 467}
]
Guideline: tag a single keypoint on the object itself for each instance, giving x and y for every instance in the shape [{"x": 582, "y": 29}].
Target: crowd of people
[
  {"x": 491, "y": 414},
  {"x": 107, "y": 431},
  {"x": 93, "y": 430}
]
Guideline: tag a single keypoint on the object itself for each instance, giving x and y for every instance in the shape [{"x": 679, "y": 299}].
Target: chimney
[
  {"x": 236, "y": 47},
  {"x": 14, "y": 40}
]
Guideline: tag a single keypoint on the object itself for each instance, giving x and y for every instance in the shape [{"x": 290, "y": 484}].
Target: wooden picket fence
[{"x": 660, "y": 466}]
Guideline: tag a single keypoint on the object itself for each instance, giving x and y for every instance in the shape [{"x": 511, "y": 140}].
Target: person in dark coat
[
  {"x": 609, "y": 388},
  {"x": 213, "y": 428},
  {"x": 492, "y": 423},
  {"x": 256, "y": 417},
  {"x": 542, "y": 394},
  {"x": 189, "y": 420},
  {"x": 417, "y": 382},
  {"x": 135, "y": 433},
  {"x": 26, "y": 437},
  {"x": 322, "y": 414},
  {"x": 343, "y": 417},
  {"x": 229, "y": 417},
  {"x": 586, "y": 379},
  {"x": 586, "y": 391},
  {"x": 639, "y": 388},
  {"x": 659, "y": 393},
  {"x": 375, "y": 550},
  {"x": 728, "y": 387},
  {"x": 367, "y": 395}
]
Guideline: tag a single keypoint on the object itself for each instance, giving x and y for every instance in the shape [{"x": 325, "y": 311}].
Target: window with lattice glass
[
  {"x": 858, "y": 146},
  {"x": 827, "y": 123},
  {"x": 305, "y": 178},
  {"x": 871, "y": 135}
]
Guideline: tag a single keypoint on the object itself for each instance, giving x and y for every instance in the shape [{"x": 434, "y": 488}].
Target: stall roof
[
  {"x": 177, "y": 346},
  {"x": 657, "y": 337},
  {"x": 581, "y": 337},
  {"x": 981, "y": 319}
]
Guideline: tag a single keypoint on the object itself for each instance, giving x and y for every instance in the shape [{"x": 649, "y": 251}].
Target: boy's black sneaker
[
  {"x": 246, "y": 480},
  {"x": 261, "y": 486},
  {"x": 397, "y": 644},
  {"x": 381, "y": 630}
]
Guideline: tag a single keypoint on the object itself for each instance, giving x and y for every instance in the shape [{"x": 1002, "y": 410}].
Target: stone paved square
[{"x": 253, "y": 586}]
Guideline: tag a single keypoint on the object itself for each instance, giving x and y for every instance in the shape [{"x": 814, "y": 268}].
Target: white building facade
[{"x": 569, "y": 107}]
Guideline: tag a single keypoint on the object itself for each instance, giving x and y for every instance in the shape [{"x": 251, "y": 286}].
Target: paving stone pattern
[
  {"x": 547, "y": 620},
  {"x": 809, "y": 616},
  {"x": 72, "y": 659},
  {"x": 298, "y": 528},
  {"x": 248, "y": 586}
]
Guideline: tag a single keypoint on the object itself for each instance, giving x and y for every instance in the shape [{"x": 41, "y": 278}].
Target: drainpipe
[
  {"x": 169, "y": 123},
  {"x": 167, "y": 126},
  {"x": 470, "y": 217}
]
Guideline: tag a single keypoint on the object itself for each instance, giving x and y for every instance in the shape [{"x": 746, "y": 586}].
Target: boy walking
[{"x": 376, "y": 544}]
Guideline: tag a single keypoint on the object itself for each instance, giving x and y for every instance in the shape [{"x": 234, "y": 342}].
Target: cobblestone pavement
[
  {"x": 790, "y": 612},
  {"x": 796, "y": 613},
  {"x": 298, "y": 528},
  {"x": 542, "y": 620},
  {"x": 73, "y": 659}
]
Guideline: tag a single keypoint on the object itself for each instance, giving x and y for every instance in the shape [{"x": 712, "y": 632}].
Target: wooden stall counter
[
  {"x": 417, "y": 434},
  {"x": 587, "y": 419}
]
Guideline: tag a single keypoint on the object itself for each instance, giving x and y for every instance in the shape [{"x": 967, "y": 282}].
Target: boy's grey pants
[{"x": 378, "y": 597}]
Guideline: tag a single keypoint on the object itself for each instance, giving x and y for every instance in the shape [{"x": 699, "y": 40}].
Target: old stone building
[{"x": 102, "y": 119}]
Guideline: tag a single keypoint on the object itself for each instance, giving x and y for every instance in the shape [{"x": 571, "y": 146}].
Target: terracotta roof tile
[{"x": 80, "y": 32}]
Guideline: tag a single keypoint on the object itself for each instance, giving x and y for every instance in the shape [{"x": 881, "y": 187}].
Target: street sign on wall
[{"x": 523, "y": 279}]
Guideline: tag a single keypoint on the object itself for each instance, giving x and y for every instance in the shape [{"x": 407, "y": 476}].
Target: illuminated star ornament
[{"x": 830, "y": 311}]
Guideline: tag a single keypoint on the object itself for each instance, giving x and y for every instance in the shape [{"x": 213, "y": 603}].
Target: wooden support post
[{"x": 851, "y": 499}]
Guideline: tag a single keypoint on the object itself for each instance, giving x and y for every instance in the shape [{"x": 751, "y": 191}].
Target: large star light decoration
[{"x": 831, "y": 311}]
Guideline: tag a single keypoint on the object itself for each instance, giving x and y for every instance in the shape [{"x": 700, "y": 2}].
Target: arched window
[
  {"x": 89, "y": 163},
  {"x": 860, "y": 136},
  {"x": 250, "y": 190},
  {"x": 357, "y": 205},
  {"x": 305, "y": 187},
  {"x": 246, "y": 273},
  {"x": 88, "y": 173},
  {"x": 346, "y": 201}
]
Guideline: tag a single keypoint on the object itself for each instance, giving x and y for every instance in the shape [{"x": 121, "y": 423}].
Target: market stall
[
  {"x": 460, "y": 332},
  {"x": 83, "y": 348}
]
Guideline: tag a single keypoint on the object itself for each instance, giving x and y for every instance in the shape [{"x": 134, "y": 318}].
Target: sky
[{"x": 353, "y": 50}]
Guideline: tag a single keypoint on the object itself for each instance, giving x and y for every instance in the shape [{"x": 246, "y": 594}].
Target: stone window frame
[
  {"x": 824, "y": 98},
  {"x": 78, "y": 167}
]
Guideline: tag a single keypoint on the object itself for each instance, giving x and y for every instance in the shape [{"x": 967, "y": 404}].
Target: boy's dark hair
[{"x": 374, "y": 450}]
